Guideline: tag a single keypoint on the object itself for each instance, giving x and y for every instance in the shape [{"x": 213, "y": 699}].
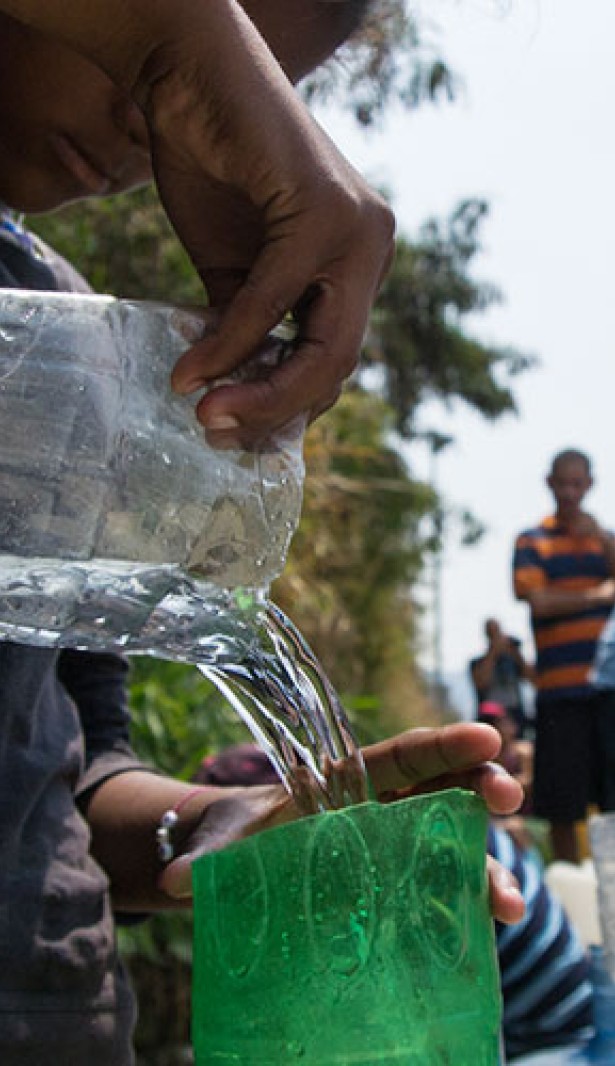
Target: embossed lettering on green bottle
[{"x": 359, "y": 937}]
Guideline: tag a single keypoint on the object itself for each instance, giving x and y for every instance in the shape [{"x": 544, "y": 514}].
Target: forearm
[
  {"x": 129, "y": 38},
  {"x": 114, "y": 34},
  {"x": 553, "y": 603},
  {"x": 138, "y": 41},
  {"x": 124, "y": 813}
]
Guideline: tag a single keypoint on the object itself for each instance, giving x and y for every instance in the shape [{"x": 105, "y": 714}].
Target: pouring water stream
[{"x": 280, "y": 691}]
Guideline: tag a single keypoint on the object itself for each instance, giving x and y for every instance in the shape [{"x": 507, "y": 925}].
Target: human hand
[
  {"x": 274, "y": 219},
  {"x": 604, "y": 593},
  {"x": 455, "y": 756},
  {"x": 585, "y": 525},
  {"x": 271, "y": 214},
  {"x": 419, "y": 761},
  {"x": 236, "y": 813},
  {"x": 500, "y": 643}
]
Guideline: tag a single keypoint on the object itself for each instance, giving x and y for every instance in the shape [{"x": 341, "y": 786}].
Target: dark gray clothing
[
  {"x": 64, "y": 996},
  {"x": 32, "y": 264},
  {"x": 504, "y": 687},
  {"x": 64, "y": 729}
]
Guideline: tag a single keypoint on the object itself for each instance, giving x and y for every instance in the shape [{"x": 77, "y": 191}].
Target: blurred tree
[
  {"x": 177, "y": 719},
  {"x": 417, "y": 335},
  {"x": 358, "y": 551},
  {"x": 392, "y": 58},
  {"x": 124, "y": 246}
]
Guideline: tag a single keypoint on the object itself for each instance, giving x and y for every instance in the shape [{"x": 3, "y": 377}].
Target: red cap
[{"x": 491, "y": 709}]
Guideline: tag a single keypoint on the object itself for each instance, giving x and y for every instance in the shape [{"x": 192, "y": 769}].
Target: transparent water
[
  {"x": 281, "y": 692},
  {"x": 239, "y": 640},
  {"x": 120, "y": 527}
]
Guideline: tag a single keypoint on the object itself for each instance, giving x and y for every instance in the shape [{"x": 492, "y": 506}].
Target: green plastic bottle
[{"x": 360, "y": 936}]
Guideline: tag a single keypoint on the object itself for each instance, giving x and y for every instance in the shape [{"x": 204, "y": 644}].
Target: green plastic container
[{"x": 358, "y": 936}]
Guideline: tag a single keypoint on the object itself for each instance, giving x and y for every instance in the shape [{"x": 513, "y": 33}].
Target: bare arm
[
  {"x": 123, "y": 814},
  {"x": 117, "y": 36},
  {"x": 586, "y": 525},
  {"x": 271, "y": 214},
  {"x": 126, "y": 809},
  {"x": 551, "y": 602}
]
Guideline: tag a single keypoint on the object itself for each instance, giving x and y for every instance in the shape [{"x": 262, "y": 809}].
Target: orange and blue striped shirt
[{"x": 548, "y": 556}]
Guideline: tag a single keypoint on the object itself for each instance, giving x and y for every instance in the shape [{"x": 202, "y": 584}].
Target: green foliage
[
  {"x": 124, "y": 246},
  {"x": 178, "y": 717},
  {"x": 159, "y": 938},
  {"x": 359, "y": 549},
  {"x": 390, "y": 59},
  {"x": 159, "y": 956}
]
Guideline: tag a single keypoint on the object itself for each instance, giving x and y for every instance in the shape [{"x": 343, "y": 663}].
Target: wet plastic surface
[
  {"x": 111, "y": 501},
  {"x": 360, "y": 936}
]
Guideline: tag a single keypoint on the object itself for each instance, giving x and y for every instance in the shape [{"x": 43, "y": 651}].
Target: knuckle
[
  {"x": 272, "y": 304},
  {"x": 346, "y": 362},
  {"x": 385, "y": 219},
  {"x": 325, "y": 403}
]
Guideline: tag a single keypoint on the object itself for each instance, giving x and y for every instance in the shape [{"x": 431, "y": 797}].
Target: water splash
[
  {"x": 280, "y": 691},
  {"x": 238, "y": 639}
]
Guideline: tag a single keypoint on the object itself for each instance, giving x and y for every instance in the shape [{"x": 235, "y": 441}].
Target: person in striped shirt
[
  {"x": 564, "y": 569},
  {"x": 545, "y": 971}
]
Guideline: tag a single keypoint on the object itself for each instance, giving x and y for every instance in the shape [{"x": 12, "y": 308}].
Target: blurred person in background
[
  {"x": 498, "y": 674},
  {"x": 564, "y": 569}
]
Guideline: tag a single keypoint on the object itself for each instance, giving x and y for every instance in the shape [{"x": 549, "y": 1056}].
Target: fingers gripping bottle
[{"x": 119, "y": 525}]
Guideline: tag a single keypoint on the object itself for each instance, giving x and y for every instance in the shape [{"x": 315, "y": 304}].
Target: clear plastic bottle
[{"x": 119, "y": 525}]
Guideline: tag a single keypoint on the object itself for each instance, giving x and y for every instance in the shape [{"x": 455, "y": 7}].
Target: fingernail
[
  {"x": 507, "y": 882},
  {"x": 497, "y": 769},
  {"x": 184, "y": 388},
  {"x": 220, "y": 422}
]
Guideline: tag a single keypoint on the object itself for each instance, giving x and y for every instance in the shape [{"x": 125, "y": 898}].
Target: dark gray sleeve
[
  {"x": 97, "y": 682},
  {"x": 35, "y": 265},
  {"x": 67, "y": 278}
]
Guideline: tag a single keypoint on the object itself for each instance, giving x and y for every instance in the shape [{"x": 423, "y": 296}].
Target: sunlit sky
[{"x": 532, "y": 133}]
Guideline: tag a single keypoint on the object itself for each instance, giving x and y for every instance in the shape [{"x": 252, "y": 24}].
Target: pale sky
[{"x": 532, "y": 134}]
